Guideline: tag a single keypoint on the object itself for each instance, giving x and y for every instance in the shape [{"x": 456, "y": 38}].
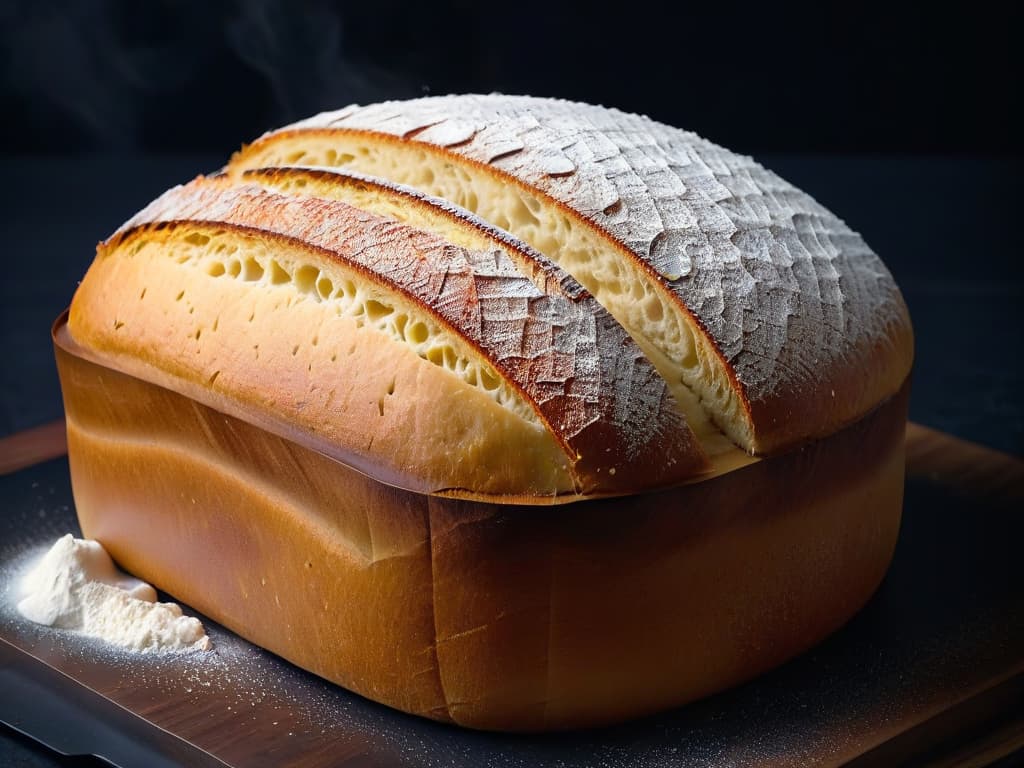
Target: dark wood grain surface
[{"x": 23, "y": 449}]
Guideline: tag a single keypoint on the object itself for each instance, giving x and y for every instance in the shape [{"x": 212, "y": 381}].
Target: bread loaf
[
  {"x": 510, "y": 412},
  {"x": 471, "y": 361},
  {"x": 777, "y": 317}
]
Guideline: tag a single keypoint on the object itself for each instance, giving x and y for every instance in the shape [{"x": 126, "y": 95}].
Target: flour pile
[{"x": 76, "y": 586}]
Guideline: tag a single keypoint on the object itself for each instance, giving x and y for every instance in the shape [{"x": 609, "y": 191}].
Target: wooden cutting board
[{"x": 931, "y": 669}]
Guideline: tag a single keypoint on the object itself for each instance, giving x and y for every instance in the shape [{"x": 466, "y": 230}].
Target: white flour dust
[{"x": 76, "y": 586}]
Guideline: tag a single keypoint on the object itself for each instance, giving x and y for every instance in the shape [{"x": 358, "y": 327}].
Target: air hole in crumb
[
  {"x": 489, "y": 379},
  {"x": 436, "y": 355},
  {"x": 375, "y": 310},
  {"x": 305, "y": 278},
  {"x": 215, "y": 269},
  {"x": 278, "y": 276},
  {"x": 252, "y": 270},
  {"x": 417, "y": 333},
  {"x": 398, "y": 322},
  {"x": 197, "y": 238},
  {"x": 324, "y": 287}
]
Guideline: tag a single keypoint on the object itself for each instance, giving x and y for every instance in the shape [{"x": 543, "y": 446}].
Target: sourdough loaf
[
  {"x": 345, "y": 368},
  {"x": 761, "y": 309},
  {"x": 425, "y": 361}
]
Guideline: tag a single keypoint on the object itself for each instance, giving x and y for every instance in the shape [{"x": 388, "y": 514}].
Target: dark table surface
[{"x": 946, "y": 227}]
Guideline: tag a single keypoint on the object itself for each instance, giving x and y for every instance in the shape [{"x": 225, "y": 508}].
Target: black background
[
  {"x": 906, "y": 123},
  {"x": 202, "y": 76}
]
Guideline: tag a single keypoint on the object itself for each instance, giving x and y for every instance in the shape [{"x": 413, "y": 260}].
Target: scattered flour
[{"x": 76, "y": 586}]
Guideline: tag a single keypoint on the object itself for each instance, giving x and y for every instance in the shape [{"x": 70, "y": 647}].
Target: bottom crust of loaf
[{"x": 503, "y": 617}]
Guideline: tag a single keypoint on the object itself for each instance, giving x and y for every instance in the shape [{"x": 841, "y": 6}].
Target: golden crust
[
  {"x": 589, "y": 386},
  {"x": 490, "y": 616},
  {"x": 787, "y": 303},
  {"x": 385, "y": 451},
  {"x": 339, "y": 384},
  {"x": 247, "y": 162},
  {"x": 467, "y": 230}
]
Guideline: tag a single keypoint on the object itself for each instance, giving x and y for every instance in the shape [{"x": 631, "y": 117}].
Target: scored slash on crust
[
  {"x": 552, "y": 345},
  {"x": 753, "y": 301}
]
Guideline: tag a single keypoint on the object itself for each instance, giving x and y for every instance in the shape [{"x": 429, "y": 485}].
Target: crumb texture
[
  {"x": 517, "y": 331},
  {"x": 776, "y": 314}
]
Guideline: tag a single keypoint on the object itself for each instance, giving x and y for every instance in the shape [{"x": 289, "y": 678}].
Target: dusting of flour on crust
[{"x": 76, "y": 586}]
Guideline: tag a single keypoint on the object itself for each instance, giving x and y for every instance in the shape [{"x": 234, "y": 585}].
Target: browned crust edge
[
  {"x": 459, "y": 533},
  {"x": 437, "y": 205},
  {"x": 125, "y": 237},
  {"x": 408, "y": 140}
]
